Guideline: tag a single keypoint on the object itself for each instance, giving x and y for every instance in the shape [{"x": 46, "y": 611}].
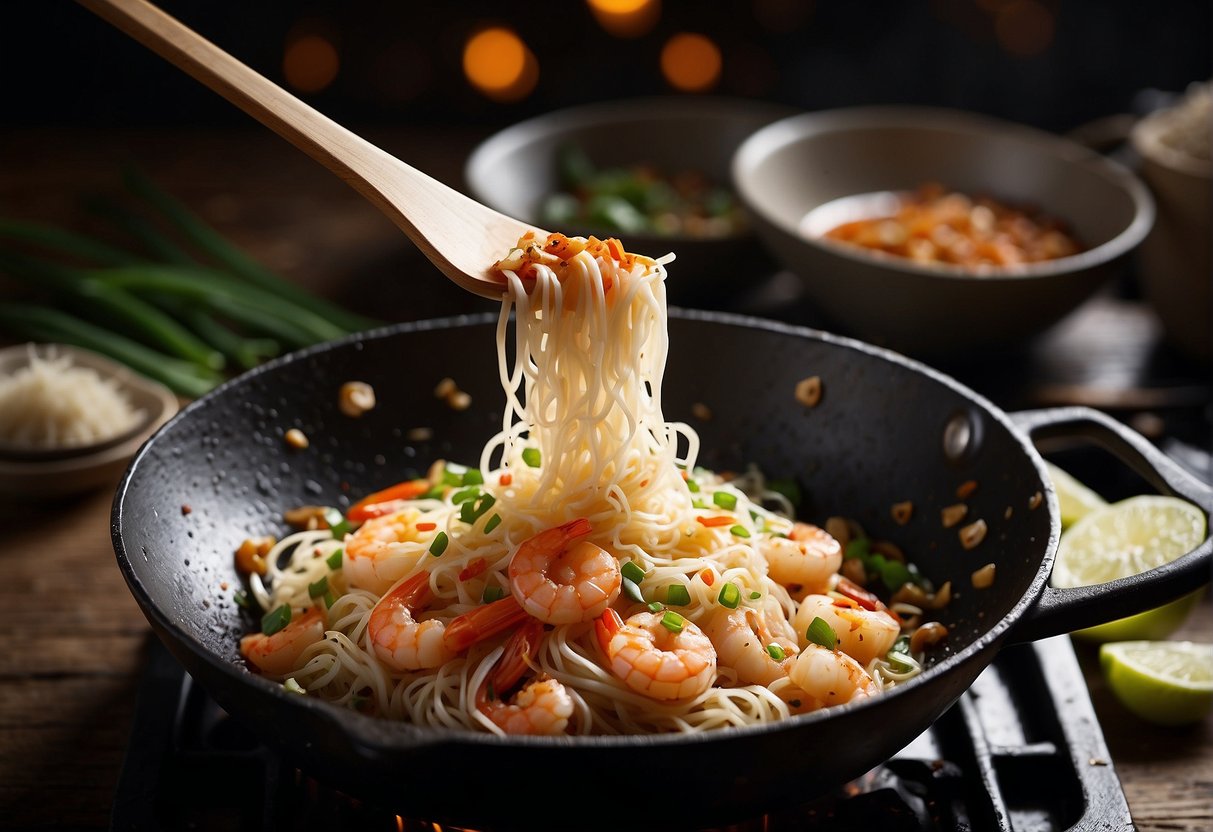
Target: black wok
[{"x": 886, "y": 430}]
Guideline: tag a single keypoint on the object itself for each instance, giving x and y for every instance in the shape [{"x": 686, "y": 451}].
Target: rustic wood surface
[{"x": 71, "y": 648}]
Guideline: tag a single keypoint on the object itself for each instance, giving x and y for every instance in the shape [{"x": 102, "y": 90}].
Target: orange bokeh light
[
  {"x": 500, "y": 65},
  {"x": 310, "y": 63},
  {"x": 690, "y": 62},
  {"x": 626, "y": 18}
]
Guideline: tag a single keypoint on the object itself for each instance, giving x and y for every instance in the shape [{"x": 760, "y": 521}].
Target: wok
[{"x": 887, "y": 430}]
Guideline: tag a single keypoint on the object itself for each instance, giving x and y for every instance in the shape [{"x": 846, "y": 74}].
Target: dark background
[{"x": 1051, "y": 63}]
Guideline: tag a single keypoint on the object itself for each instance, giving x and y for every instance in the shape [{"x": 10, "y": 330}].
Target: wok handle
[{"x": 1059, "y": 611}]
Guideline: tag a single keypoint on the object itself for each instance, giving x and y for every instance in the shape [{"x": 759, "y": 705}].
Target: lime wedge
[
  {"x": 1073, "y": 498},
  {"x": 1124, "y": 539},
  {"x": 1164, "y": 682}
]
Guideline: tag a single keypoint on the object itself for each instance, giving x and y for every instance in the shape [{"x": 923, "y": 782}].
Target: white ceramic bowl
[{"x": 789, "y": 168}]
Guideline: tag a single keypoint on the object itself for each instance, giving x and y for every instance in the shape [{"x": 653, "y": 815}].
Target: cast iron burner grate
[{"x": 1021, "y": 752}]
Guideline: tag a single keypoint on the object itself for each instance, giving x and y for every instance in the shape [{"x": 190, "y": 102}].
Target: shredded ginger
[{"x": 52, "y": 403}]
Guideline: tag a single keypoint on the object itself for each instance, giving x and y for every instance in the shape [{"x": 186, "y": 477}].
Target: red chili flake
[
  {"x": 711, "y": 522},
  {"x": 506, "y": 479},
  {"x": 708, "y": 577},
  {"x": 473, "y": 569},
  {"x": 185, "y": 509},
  {"x": 965, "y": 490},
  {"x": 858, "y": 594},
  {"x": 426, "y": 527}
]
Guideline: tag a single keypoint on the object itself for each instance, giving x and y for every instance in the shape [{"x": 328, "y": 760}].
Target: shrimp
[
  {"x": 542, "y": 707},
  {"x": 741, "y": 638},
  {"x": 278, "y": 655},
  {"x": 804, "y": 561},
  {"x": 863, "y": 634},
  {"x": 383, "y": 549},
  {"x": 398, "y": 639},
  {"x": 830, "y": 677},
  {"x": 562, "y": 582},
  {"x": 653, "y": 660}
]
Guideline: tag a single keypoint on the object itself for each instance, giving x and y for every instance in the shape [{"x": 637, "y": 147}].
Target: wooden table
[{"x": 70, "y": 653}]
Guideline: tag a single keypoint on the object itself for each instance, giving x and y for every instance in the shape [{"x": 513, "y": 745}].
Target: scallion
[
  {"x": 632, "y": 571},
  {"x": 739, "y": 530},
  {"x": 452, "y": 477},
  {"x": 241, "y": 599},
  {"x": 275, "y": 620},
  {"x": 632, "y": 590},
  {"x": 754, "y": 596},
  {"x": 725, "y": 500},
  {"x": 492, "y": 523},
  {"x": 492, "y": 593},
  {"x": 776, "y": 652},
  {"x": 473, "y": 510},
  {"x": 677, "y": 595},
  {"x": 656, "y": 606},
  {"x": 337, "y": 523},
  {"x": 894, "y": 575},
  {"x": 460, "y": 497},
  {"x": 730, "y": 596},
  {"x": 673, "y": 622},
  {"x": 438, "y": 546},
  {"x": 532, "y": 457},
  {"x": 472, "y": 476},
  {"x": 821, "y": 633},
  {"x": 330, "y": 598},
  {"x": 334, "y": 560},
  {"x": 692, "y": 486},
  {"x": 315, "y": 590}
]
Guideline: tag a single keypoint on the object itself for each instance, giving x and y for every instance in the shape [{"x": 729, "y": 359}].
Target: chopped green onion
[
  {"x": 435, "y": 493},
  {"x": 452, "y": 477},
  {"x": 334, "y": 560},
  {"x": 472, "y": 476},
  {"x": 275, "y": 620},
  {"x": 330, "y": 598},
  {"x": 241, "y": 599},
  {"x": 656, "y": 606},
  {"x": 730, "y": 596},
  {"x": 632, "y": 571},
  {"x": 532, "y": 457},
  {"x": 788, "y": 488},
  {"x": 776, "y": 652},
  {"x": 493, "y": 523},
  {"x": 739, "y": 531},
  {"x": 632, "y": 590},
  {"x": 857, "y": 548},
  {"x": 438, "y": 546},
  {"x": 901, "y": 645},
  {"x": 754, "y": 596},
  {"x": 755, "y": 516},
  {"x": 725, "y": 500},
  {"x": 677, "y": 595},
  {"x": 337, "y": 523},
  {"x": 820, "y": 632},
  {"x": 894, "y": 575},
  {"x": 673, "y": 622},
  {"x": 471, "y": 511},
  {"x": 318, "y": 588},
  {"x": 904, "y": 661},
  {"x": 466, "y": 494},
  {"x": 699, "y": 504},
  {"x": 492, "y": 593},
  {"x": 692, "y": 486},
  {"x": 293, "y": 686}
]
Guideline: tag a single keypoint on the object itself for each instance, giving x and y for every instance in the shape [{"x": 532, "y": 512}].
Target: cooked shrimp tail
[
  {"x": 541, "y": 707},
  {"x": 483, "y": 622},
  {"x": 278, "y": 654}
]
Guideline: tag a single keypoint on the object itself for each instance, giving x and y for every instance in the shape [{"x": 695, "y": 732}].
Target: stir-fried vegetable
[{"x": 639, "y": 199}]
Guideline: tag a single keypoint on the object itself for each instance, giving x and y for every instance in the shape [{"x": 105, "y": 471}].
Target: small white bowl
[{"x": 64, "y": 471}]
